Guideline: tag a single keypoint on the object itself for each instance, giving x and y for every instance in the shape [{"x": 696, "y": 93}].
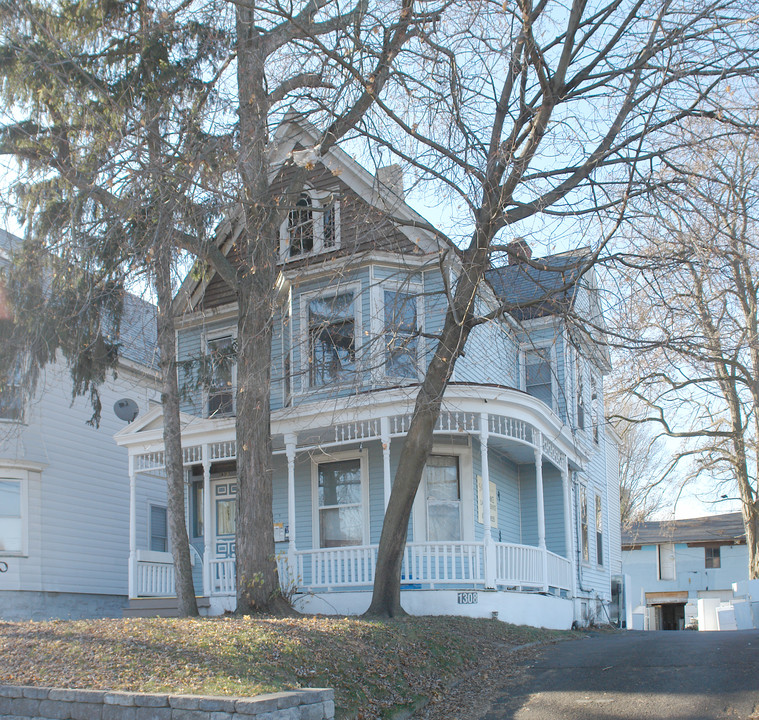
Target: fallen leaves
[{"x": 372, "y": 665}]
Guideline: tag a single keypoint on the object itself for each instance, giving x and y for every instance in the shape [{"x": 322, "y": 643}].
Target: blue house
[{"x": 517, "y": 516}]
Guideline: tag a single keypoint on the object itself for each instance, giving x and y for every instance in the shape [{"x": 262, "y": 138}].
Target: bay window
[
  {"x": 332, "y": 338},
  {"x": 400, "y": 334}
]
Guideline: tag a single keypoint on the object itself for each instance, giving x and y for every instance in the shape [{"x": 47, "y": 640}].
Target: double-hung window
[
  {"x": 401, "y": 337},
  {"x": 340, "y": 503},
  {"x": 594, "y": 407},
  {"x": 584, "y": 525},
  {"x": 332, "y": 339},
  {"x": 11, "y": 396},
  {"x": 443, "y": 498},
  {"x": 312, "y": 226},
  {"x": 538, "y": 374},
  {"x": 712, "y": 558},
  {"x": 222, "y": 366},
  {"x": 11, "y": 516},
  {"x": 159, "y": 529},
  {"x": 580, "y": 391},
  {"x": 300, "y": 225},
  {"x": 599, "y": 532}
]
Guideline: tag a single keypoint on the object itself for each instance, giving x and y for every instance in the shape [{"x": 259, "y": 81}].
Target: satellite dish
[{"x": 126, "y": 409}]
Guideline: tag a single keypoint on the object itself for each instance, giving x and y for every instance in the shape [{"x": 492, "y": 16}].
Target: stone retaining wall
[{"x": 23, "y": 703}]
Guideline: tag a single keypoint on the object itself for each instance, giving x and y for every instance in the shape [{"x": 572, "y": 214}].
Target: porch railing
[{"x": 429, "y": 565}]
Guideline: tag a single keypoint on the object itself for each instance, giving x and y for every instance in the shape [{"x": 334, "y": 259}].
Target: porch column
[
  {"x": 541, "y": 507},
  {"x": 290, "y": 445},
  {"x": 132, "y": 529},
  {"x": 489, "y": 557},
  {"x": 207, "y": 539},
  {"x": 568, "y": 549},
  {"x": 385, "y": 439}
]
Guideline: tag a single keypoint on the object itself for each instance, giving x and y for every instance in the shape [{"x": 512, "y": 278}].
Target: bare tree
[
  {"x": 694, "y": 314},
  {"x": 645, "y": 467},
  {"x": 530, "y": 113}
]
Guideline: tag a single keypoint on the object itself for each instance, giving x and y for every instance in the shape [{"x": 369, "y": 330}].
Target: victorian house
[{"x": 517, "y": 516}]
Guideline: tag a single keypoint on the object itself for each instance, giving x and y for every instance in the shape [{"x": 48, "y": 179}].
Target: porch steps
[{"x": 160, "y": 607}]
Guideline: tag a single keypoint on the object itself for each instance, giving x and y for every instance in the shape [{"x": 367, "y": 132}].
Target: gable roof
[
  {"x": 712, "y": 528},
  {"x": 138, "y": 330},
  {"x": 540, "y": 286},
  {"x": 404, "y": 229}
]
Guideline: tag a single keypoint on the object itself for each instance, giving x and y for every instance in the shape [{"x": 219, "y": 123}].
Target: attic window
[
  {"x": 301, "y": 226},
  {"x": 312, "y": 226}
]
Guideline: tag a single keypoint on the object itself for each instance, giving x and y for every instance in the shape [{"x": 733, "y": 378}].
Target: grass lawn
[{"x": 373, "y": 666}]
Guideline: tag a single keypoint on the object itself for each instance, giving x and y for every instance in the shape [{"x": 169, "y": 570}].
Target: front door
[{"x": 224, "y": 493}]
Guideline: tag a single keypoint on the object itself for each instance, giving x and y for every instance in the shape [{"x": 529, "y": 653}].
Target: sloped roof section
[
  {"x": 712, "y": 528},
  {"x": 540, "y": 286}
]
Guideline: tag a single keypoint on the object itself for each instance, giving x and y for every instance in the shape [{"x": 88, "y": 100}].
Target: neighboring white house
[
  {"x": 64, "y": 485},
  {"x": 518, "y": 512},
  {"x": 680, "y": 572}
]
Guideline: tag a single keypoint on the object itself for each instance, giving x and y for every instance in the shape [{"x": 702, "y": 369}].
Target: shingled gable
[
  {"x": 534, "y": 288},
  {"x": 725, "y": 529},
  {"x": 373, "y": 218}
]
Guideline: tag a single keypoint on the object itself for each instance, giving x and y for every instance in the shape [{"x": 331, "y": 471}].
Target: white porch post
[
  {"x": 541, "y": 506},
  {"x": 489, "y": 558},
  {"x": 568, "y": 521},
  {"x": 385, "y": 439},
  {"x": 132, "y": 529},
  {"x": 207, "y": 539},
  {"x": 290, "y": 445}
]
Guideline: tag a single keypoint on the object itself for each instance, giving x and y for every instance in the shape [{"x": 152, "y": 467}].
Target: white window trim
[
  {"x": 466, "y": 482},
  {"x": 156, "y": 502},
  {"x": 326, "y": 457},
  {"x": 377, "y": 328},
  {"x": 318, "y": 201},
  {"x": 210, "y": 336},
  {"x": 305, "y": 344},
  {"x": 524, "y": 349},
  {"x": 22, "y": 476}
]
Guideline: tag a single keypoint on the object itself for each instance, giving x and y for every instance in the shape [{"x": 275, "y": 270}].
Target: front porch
[{"x": 513, "y": 532}]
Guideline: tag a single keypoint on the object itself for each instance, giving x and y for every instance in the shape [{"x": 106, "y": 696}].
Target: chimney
[
  {"x": 518, "y": 250},
  {"x": 390, "y": 177}
]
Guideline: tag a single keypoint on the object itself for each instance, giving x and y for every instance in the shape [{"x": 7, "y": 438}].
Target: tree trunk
[
  {"x": 751, "y": 522},
  {"x": 257, "y": 577},
  {"x": 172, "y": 438},
  {"x": 386, "y": 596}
]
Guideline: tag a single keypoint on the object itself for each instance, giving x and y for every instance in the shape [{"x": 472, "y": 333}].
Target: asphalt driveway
[{"x": 636, "y": 675}]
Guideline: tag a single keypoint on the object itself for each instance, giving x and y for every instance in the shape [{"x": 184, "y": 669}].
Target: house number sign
[{"x": 468, "y": 598}]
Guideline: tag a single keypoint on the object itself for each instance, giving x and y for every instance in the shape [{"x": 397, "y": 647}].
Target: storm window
[
  {"x": 332, "y": 338},
  {"x": 400, "y": 334},
  {"x": 339, "y": 495},
  {"x": 443, "y": 491},
  {"x": 301, "y": 226},
  {"x": 538, "y": 375}
]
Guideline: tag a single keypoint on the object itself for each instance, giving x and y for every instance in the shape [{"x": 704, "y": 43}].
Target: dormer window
[
  {"x": 11, "y": 396},
  {"x": 301, "y": 226},
  {"x": 312, "y": 226}
]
